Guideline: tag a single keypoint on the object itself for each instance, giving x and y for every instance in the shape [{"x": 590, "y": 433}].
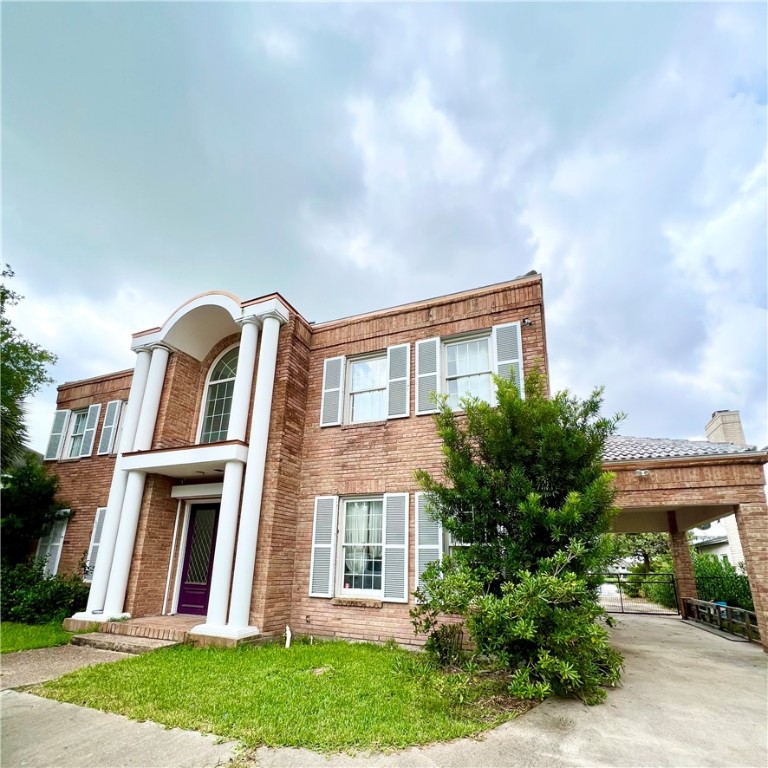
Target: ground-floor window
[{"x": 361, "y": 546}]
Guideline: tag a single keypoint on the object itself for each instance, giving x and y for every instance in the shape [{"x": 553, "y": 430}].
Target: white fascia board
[
  {"x": 176, "y": 458},
  {"x": 200, "y": 491}
]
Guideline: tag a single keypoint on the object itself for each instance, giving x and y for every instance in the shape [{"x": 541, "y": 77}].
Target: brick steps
[
  {"x": 107, "y": 641},
  {"x": 165, "y": 628}
]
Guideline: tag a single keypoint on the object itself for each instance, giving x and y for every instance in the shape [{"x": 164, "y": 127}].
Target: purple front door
[{"x": 198, "y": 559}]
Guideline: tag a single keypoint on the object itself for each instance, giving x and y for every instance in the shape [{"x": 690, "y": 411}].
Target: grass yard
[
  {"x": 23, "y": 637},
  {"x": 328, "y": 696}
]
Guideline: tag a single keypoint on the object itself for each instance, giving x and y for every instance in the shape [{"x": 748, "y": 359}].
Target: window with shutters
[
  {"x": 49, "y": 546},
  {"x": 367, "y": 388},
  {"x": 360, "y": 547},
  {"x": 218, "y": 397},
  {"x": 463, "y": 366}
]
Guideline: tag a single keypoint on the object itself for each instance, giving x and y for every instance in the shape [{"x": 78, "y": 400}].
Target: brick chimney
[{"x": 725, "y": 427}]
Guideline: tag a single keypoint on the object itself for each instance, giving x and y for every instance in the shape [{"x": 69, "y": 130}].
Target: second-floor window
[
  {"x": 218, "y": 398},
  {"x": 468, "y": 370},
  {"x": 76, "y": 433},
  {"x": 368, "y": 389}
]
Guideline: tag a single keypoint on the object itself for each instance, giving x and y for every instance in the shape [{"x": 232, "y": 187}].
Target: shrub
[
  {"x": 31, "y": 597},
  {"x": 718, "y": 580},
  {"x": 523, "y": 489}
]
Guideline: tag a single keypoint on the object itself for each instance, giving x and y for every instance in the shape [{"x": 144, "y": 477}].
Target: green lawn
[
  {"x": 327, "y": 696},
  {"x": 22, "y": 637}
]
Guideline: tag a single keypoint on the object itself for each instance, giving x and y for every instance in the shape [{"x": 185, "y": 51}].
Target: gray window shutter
[
  {"x": 427, "y": 374},
  {"x": 93, "y": 549},
  {"x": 59, "y": 429},
  {"x": 49, "y": 547},
  {"x": 429, "y": 537},
  {"x": 109, "y": 429},
  {"x": 89, "y": 436},
  {"x": 332, "y": 407},
  {"x": 508, "y": 353},
  {"x": 395, "y": 566},
  {"x": 323, "y": 546},
  {"x": 398, "y": 390}
]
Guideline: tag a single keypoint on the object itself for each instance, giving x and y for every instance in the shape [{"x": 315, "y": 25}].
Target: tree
[
  {"x": 23, "y": 370},
  {"x": 646, "y": 546},
  {"x": 29, "y": 507},
  {"x": 524, "y": 490}
]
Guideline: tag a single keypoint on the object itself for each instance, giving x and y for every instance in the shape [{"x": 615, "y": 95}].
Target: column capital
[
  {"x": 152, "y": 347},
  {"x": 268, "y": 308},
  {"x": 249, "y": 320}
]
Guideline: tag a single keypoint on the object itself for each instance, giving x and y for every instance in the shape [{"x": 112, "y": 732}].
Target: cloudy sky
[{"x": 353, "y": 157}]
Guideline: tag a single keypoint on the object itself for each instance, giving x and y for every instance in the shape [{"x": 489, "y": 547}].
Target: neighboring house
[
  {"x": 716, "y": 545},
  {"x": 257, "y": 470}
]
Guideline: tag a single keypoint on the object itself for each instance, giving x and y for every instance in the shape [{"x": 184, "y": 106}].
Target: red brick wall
[
  {"x": 84, "y": 483},
  {"x": 382, "y": 457}
]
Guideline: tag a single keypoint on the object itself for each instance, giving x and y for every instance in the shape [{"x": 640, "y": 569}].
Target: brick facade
[{"x": 305, "y": 460}]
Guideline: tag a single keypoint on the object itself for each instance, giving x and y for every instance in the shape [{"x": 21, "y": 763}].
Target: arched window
[{"x": 218, "y": 398}]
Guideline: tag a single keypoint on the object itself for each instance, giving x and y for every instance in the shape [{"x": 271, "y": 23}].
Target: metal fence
[{"x": 640, "y": 593}]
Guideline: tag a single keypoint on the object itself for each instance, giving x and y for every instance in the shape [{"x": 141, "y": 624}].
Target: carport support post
[
  {"x": 681, "y": 557},
  {"x": 752, "y": 521}
]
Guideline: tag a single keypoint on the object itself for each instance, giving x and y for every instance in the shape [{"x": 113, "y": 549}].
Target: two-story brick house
[{"x": 257, "y": 470}]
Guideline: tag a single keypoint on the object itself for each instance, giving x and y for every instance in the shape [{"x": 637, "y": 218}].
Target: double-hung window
[
  {"x": 218, "y": 398},
  {"x": 462, "y": 366},
  {"x": 360, "y": 547},
  {"x": 468, "y": 370},
  {"x": 366, "y": 388},
  {"x": 76, "y": 433},
  {"x": 73, "y": 433}
]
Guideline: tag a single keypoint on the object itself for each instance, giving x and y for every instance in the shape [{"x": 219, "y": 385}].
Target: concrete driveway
[{"x": 689, "y": 699}]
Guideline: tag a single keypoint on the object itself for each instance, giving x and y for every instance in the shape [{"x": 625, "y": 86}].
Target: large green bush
[
  {"x": 29, "y": 596},
  {"x": 523, "y": 489}
]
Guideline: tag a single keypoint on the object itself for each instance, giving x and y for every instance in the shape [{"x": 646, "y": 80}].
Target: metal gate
[{"x": 639, "y": 593}]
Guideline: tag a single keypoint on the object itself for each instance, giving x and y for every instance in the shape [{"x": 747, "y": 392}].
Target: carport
[{"x": 675, "y": 485}]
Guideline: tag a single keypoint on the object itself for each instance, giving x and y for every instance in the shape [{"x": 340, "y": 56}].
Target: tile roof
[{"x": 620, "y": 448}]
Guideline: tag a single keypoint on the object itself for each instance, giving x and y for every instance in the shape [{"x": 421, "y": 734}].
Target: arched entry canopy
[
  {"x": 197, "y": 325},
  {"x": 675, "y": 485}
]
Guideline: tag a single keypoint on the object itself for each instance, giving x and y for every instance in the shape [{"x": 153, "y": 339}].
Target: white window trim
[
  {"x": 349, "y": 363},
  {"x": 204, "y": 402},
  {"x": 66, "y": 448},
  {"x": 463, "y": 338},
  {"x": 339, "y": 591}
]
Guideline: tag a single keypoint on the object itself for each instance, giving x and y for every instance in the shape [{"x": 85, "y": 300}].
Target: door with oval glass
[{"x": 198, "y": 559}]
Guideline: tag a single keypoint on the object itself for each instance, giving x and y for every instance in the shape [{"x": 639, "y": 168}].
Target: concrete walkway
[
  {"x": 689, "y": 699},
  {"x": 41, "y": 664}
]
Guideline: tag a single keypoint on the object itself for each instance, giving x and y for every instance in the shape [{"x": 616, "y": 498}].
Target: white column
[
  {"x": 100, "y": 576},
  {"x": 126, "y": 538},
  {"x": 221, "y": 573},
  {"x": 242, "y": 583},
  {"x": 134, "y": 491},
  {"x": 241, "y": 394},
  {"x": 145, "y": 429}
]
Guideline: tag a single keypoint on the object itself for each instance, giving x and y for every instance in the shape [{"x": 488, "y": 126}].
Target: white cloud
[{"x": 280, "y": 44}]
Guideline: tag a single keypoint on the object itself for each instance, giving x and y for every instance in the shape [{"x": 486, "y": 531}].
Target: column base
[
  {"x": 100, "y": 617},
  {"x": 223, "y": 635}
]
